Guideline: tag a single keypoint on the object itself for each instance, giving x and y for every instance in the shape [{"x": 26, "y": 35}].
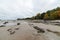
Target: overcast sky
[{"x": 12, "y": 9}]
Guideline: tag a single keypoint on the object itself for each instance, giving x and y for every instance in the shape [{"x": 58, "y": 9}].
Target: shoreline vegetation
[
  {"x": 53, "y": 14},
  {"x": 29, "y": 30}
]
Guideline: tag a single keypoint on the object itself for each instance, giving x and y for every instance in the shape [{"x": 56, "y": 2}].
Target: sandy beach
[{"x": 26, "y": 31}]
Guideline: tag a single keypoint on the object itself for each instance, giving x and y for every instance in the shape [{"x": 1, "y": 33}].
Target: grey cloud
[{"x": 12, "y": 9}]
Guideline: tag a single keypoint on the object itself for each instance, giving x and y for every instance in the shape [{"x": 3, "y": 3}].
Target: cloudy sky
[{"x": 12, "y": 9}]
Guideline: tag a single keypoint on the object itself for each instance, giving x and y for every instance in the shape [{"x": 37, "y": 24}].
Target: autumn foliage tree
[
  {"x": 58, "y": 13},
  {"x": 46, "y": 16},
  {"x": 38, "y": 16},
  {"x": 49, "y": 15}
]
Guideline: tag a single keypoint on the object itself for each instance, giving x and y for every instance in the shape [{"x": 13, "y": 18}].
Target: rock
[
  {"x": 9, "y": 29},
  {"x": 2, "y": 25},
  {"x": 12, "y": 32},
  {"x": 5, "y": 22},
  {"x": 18, "y": 23},
  {"x": 40, "y": 30}
]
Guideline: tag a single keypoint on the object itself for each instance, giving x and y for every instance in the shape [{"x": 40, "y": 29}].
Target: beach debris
[
  {"x": 18, "y": 23},
  {"x": 40, "y": 30},
  {"x": 5, "y": 22}
]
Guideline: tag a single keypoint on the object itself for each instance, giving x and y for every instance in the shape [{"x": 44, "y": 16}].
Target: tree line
[{"x": 53, "y": 14}]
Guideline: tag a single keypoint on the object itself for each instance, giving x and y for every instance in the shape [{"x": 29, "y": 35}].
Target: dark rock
[
  {"x": 49, "y": 30},
  {"x": 18, "y": 23},
  {"x": 2, "y": 26},
  {"x": 40, "y": 30},
  {"x": 12, "y": 32},
  {"x": 9, "y": 29},
  {"x": 5, "y": 22}
]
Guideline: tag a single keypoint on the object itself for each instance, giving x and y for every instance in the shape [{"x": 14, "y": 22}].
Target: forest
[{"x": 53, "y": 14}]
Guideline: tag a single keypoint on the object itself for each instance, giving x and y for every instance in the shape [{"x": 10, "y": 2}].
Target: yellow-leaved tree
[{"x": 46, "y": 16}]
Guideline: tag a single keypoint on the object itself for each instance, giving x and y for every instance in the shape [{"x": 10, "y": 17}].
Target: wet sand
[{"x": 25, "y": 31}]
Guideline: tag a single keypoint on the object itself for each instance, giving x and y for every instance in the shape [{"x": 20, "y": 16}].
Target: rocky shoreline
[{"x": 28, "y": 30}]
